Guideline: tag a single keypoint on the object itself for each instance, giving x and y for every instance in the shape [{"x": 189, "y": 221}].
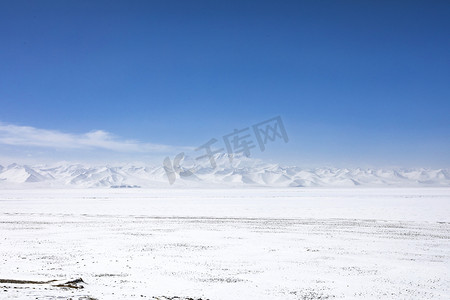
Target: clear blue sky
[{"x": 356, "y": 82}]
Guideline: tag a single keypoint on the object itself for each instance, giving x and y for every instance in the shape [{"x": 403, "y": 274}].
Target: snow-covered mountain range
[{"x": 241, "y": 172}]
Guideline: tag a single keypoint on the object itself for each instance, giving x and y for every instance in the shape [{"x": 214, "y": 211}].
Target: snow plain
[{"x": 253, "y": 243}]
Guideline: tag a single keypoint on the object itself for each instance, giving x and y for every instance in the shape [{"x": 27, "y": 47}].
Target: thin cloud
[{"x": 98, "y": 139}]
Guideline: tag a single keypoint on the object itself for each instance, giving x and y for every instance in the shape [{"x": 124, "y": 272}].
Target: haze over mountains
[{"x": 241, "y": 172}]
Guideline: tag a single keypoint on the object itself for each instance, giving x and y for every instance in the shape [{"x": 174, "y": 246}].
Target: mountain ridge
[{"x": 238, "y": 172}]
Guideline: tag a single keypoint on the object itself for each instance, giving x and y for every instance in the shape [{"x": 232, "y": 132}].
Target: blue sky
[{"x": 357, "y": 83}]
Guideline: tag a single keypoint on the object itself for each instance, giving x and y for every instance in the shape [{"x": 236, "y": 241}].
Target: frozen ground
[{"x": 226, "y": 244}]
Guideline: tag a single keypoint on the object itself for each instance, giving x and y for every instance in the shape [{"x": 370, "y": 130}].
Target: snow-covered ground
[{"x": 254, "y": 243}]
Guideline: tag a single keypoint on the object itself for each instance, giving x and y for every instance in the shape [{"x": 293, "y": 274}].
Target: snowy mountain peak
[{"x": 241, "y": 171}]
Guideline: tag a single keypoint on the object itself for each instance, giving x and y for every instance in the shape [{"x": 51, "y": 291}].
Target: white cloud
[{"x": 29, "y": 136}]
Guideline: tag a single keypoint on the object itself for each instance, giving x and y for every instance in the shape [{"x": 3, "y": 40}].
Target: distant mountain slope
[{"x": 242, "y": 172}]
